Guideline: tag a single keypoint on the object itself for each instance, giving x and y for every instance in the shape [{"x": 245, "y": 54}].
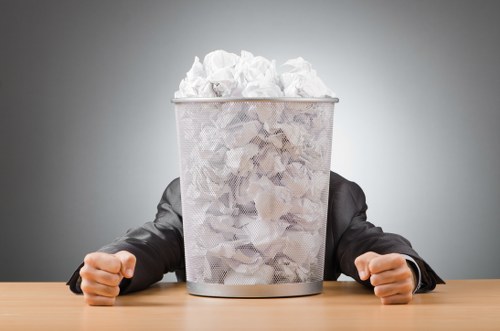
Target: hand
[
  {"x": 101, "y": 276},
  {"x": 392, "y": 278}
]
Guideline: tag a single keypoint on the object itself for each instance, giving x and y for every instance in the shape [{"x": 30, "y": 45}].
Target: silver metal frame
[
  {"x": 255, "y": 291},
  {"x": 241, "y": 99}
]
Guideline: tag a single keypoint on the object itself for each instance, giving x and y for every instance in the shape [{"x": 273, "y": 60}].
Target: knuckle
[
  {"x": 358, "y": 260},
  {"x": 364, "y": 258},
  {"x": 110, "y": 291},
  {"x": 114, "y": 265},
  {"x": 398, "y": 259},
  {"x": 115, "y": 291},
  {"x": 373, "y": 266},
  {"x": 98, "y": 293},
  {"x": 110, "y": 301},
  {"x": 89, "y": 259},
  {"x": 403, "y": 299},
  {"x": 85, "y": 287},
  {"x": 375, "y": 280},
  {"x": 408, "y": 287},
  {"x": 114, "y": 279},
  {"x": 84, "y": 272},
  {"x": 396, "y": 299},
  {"x": 407, "y": 274},
  {"x": 88, "y": 299},
  {"x": 129, "y": 257},
  {"x": 87, "y": 272},
  {"x": 377, "y": 290},
  {"x": 99, "y": 300},
  {"x": 386, "y": 301}
]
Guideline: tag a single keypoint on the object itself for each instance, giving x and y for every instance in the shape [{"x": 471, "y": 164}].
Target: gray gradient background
[{"x": 88, "y": 137}]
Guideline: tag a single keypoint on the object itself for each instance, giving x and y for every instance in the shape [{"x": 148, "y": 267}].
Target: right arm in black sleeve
[{"x": 158, "y": 245}]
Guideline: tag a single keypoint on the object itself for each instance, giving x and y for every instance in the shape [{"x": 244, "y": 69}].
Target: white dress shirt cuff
[{"x": 416, "y": 267}]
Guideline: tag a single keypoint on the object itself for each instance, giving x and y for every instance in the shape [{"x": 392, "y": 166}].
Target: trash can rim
[{"x": 242, "y": 99}]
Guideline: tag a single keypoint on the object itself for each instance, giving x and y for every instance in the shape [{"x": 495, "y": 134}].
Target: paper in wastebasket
[
  {"x": 225, "y": 74},
  {"x": 260, "y": 190}
]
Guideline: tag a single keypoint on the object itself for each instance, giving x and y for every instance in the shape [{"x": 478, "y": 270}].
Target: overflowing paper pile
[
  {"x": 255, "y": 174},
  {"x": 224, "y": 74}
]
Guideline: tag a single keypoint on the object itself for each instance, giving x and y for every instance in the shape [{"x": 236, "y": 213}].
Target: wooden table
[{"x": 459, "y": 305}]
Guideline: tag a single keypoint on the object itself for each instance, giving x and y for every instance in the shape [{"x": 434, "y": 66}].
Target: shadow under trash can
[{"x": 254, "y": 185}]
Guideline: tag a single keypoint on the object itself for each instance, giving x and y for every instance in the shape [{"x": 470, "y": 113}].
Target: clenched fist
[
  {"x": 392, "y": 278},
  {"x": 101, "y": 276}
]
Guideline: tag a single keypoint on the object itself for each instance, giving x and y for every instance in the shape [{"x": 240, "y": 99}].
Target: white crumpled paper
[
  {"x": 224, "y": 74},
  {"x": 254, "y": 174},
  {"x": 301, "y": 80}
]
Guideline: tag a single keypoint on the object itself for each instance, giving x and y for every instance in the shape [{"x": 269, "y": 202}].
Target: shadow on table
[{"x": 153, "y": 296}]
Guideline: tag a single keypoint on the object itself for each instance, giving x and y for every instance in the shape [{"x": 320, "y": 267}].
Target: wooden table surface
[{"x": 458, "y": 305}]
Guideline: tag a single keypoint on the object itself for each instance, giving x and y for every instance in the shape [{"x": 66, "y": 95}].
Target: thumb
[
  {"x": 128, "y": 261},
  {"x": 362, "y": 264}
]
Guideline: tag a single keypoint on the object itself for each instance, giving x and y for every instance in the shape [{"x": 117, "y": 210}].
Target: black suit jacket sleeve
[
  {"x": 349, "y": 235},
  {"x": 158, "y": 245}
]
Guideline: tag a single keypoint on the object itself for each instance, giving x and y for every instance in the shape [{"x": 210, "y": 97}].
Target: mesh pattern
[{"x": 254, "y": 185}]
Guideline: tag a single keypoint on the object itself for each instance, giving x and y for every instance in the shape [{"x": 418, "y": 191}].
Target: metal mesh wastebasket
[{"x": 254, "y": 187}]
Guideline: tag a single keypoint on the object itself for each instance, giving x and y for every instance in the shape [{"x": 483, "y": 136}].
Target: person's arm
[
  {"x": 355, "y": 236},
  {"x": 158, "y": 246}
]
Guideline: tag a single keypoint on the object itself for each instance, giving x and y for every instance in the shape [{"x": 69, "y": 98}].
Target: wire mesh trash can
[{"x": 254, "y": 187}]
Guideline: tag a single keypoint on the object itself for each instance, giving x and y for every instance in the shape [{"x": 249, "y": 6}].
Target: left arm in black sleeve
[
  {"x": 354, "y": 235},
  {"x": 158, "y": 245}
]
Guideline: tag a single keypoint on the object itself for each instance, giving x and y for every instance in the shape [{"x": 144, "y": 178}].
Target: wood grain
[{"x": 458, "y": 305}]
